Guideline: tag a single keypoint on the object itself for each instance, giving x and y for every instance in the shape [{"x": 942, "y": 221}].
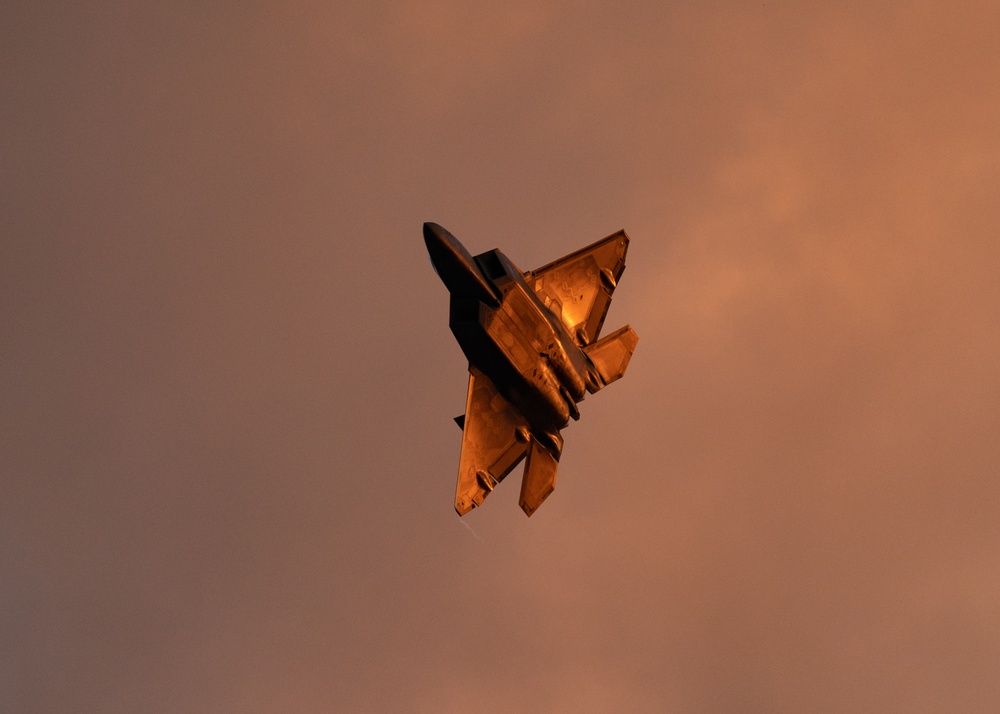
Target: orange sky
[{"x": 228, "y": 453}]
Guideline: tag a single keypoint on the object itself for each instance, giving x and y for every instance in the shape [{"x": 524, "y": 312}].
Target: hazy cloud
[{"x": 229, "y": 379}]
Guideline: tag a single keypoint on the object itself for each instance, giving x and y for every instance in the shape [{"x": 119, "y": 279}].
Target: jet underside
[{"x": 531, "y": 341}]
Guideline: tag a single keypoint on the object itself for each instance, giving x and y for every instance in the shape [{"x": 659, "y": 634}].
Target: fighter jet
[{"x": 532, "y": 343}]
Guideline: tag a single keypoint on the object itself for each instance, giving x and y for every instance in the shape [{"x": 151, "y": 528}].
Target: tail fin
[{"x": 610, "y": 356}]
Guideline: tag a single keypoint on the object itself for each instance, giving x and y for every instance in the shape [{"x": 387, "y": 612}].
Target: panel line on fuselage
[{"x": 522, "y": 346}]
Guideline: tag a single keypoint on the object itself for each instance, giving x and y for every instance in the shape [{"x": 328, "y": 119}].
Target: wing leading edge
[{"x": 495, "y": 438}]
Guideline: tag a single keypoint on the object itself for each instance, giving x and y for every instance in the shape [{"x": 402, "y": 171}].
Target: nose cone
[
  {"x": 441, "y": 243},
  {"x": 456, "y": 267}
]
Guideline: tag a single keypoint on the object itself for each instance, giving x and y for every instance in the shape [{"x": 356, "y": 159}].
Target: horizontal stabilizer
[
  {"x": 539, "y": 477},
  {"x": 611, "y": 355}
]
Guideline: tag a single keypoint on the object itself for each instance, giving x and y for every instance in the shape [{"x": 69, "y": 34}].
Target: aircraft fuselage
[
  {"x": 534, "y": 348},
  {"x": 509, "y": 335}
]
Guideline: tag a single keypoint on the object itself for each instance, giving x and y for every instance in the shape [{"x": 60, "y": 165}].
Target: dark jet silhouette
[{"x": 533, "y": 349}]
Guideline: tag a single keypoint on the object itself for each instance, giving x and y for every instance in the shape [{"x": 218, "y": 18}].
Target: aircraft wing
[
  {"x": 578, "y": 287},
  {"x": 495, "y": 438}
]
